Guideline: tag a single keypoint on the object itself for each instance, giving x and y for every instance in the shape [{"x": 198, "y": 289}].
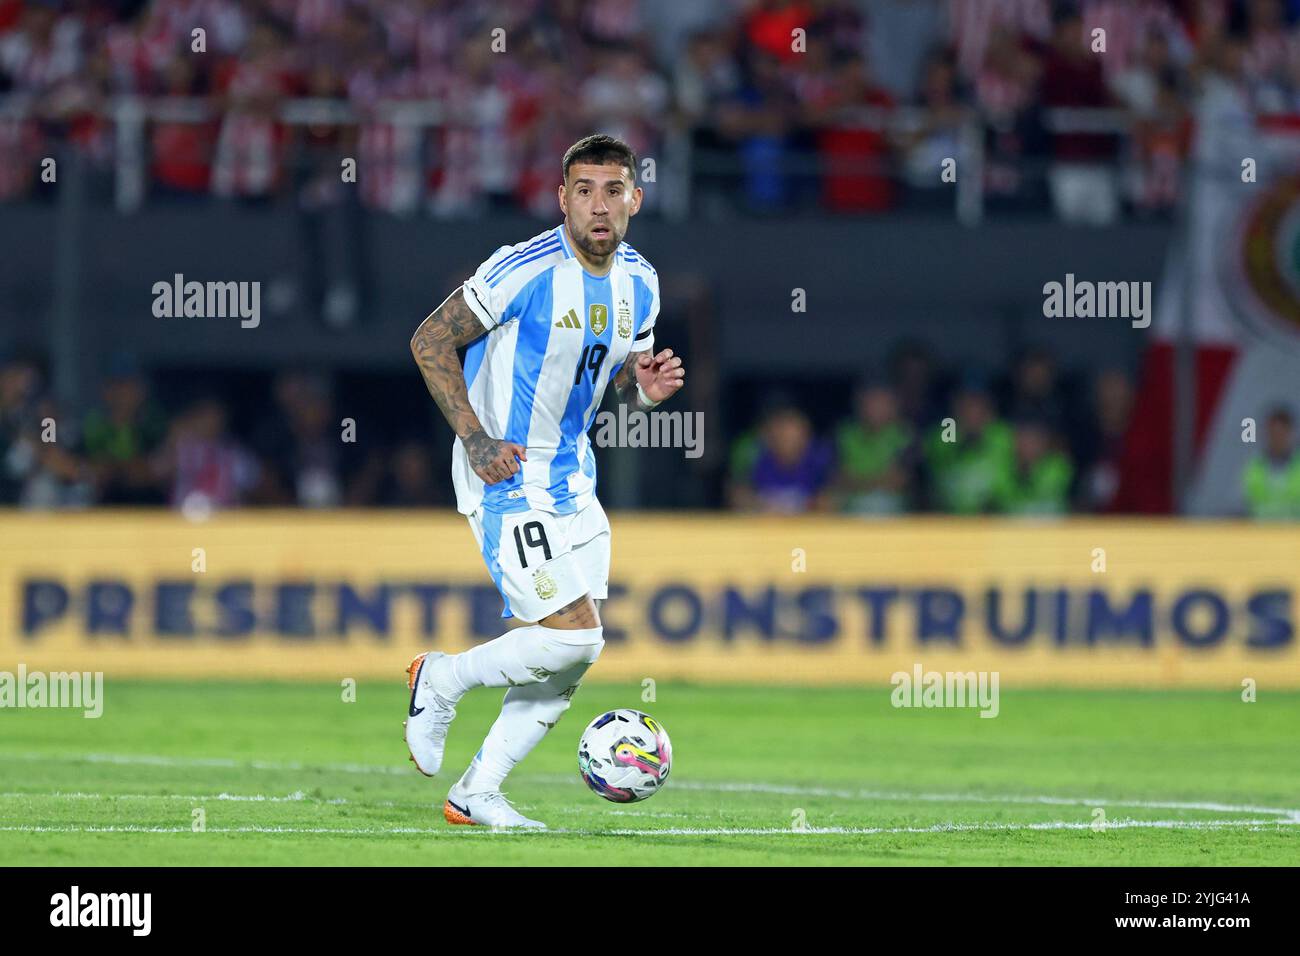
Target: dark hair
[
  {"x": 777, "y": 402},
  {"x": 1281, "y": 413},
  {"x": 601, "y": 150},
  {"x": 1063, "y": 11}
]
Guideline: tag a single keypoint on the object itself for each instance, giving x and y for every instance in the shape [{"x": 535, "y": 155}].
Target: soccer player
[{"x": 549, "y": 323}]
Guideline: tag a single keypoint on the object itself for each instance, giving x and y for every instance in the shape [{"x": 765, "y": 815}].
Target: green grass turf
[{"x": 78, "y": 791}]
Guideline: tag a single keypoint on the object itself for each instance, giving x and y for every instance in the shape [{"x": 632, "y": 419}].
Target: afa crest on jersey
[{"x": 545, "y": 584}]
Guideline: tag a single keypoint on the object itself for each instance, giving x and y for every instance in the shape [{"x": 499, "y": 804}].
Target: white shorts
[{"x": 541, "y": 561}]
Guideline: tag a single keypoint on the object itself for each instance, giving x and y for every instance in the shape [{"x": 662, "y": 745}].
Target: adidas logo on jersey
[{"x": 569, "y": 321}]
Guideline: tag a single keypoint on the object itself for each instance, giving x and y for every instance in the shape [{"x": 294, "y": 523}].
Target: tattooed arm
[
  {"x": 625, "y": 381},
  {"x": 660, "y": 377},
  {"x": 452, "y": 326}
]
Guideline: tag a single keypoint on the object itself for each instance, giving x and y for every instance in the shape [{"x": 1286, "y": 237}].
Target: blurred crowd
[
  {"x": 204, "y": 451},
  {"x": 773, "y": 119},
  {"x": 1030, "y": 442},
  {"x": 918, "y": 438}
]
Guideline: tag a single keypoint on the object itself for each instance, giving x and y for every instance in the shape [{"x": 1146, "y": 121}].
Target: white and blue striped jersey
[{"x": 556, "y": 336}]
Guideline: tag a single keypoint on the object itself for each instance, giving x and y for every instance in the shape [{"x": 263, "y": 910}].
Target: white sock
[
  {"x": 527, "y": 715},
  {"x": 522, "y": 656}
]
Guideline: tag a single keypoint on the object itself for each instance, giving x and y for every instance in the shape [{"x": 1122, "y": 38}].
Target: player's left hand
[{"x": 660, "y": 376}]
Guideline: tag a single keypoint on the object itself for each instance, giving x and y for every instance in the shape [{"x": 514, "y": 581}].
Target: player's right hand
[{"x": 493, "y": 459}]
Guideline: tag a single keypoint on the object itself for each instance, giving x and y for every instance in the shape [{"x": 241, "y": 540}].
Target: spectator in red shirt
[
  {"x": 771, "y": 27},
  {"x": 250, "y": 146},
  {"x": 853, "y": 143},
  {"x": 1082, "y": 177},
  {"x": 182, "y": 152}
]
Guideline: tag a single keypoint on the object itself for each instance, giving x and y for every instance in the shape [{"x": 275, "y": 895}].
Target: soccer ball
[{"x": 625, "y": 756}]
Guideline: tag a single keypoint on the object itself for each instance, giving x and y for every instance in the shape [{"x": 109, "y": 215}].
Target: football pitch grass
[{"x": 290, "y": 774}]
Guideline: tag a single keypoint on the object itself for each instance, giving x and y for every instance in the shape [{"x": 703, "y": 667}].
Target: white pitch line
[
  {"x": 985, "y": 798},
  {"x": 298, "y": 797},
  {"x": 901, "y": 795},
  {"x": 679, "y": 831},
  {"x": 225, "y": 763},
  {"x": 952, "y": 828},
  {"x": 698, "y": 785}
]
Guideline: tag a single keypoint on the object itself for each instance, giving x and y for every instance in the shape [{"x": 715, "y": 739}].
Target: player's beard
[{"x": 599, "y": 248}]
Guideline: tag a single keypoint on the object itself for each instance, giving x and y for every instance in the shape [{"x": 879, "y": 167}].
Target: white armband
[{"x": 645, "y": 399}]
